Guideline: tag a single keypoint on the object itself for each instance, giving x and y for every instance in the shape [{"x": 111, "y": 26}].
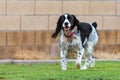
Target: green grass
[{"x": 106, "y": 70}]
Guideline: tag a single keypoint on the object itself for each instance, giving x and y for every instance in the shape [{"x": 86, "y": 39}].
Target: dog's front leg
[
  {"x": 79, "y": 57},
  {"x": 63, "y": 59}
]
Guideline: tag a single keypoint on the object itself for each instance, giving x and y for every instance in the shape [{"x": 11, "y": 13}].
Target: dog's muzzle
[{"x": 66, "y": 28}]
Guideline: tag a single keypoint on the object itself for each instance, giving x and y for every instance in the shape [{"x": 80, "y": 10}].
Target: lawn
[{"x": 103, "y": 70}]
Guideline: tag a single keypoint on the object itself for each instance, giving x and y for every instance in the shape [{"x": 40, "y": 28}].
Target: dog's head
[{"x": 66, "y": 22}]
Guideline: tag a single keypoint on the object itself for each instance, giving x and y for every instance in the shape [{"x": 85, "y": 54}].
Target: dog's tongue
[{"x": 66, "y": 28}]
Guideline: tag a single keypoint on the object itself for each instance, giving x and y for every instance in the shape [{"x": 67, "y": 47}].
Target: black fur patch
[
  {"x": 85, "y": 30},
  {"x": 94, "y": 24}
]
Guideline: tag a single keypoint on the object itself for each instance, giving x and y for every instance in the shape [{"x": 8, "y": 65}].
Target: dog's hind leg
[
  {"x": 92, "y": 61},
  {"x": 89, "y": 57}
]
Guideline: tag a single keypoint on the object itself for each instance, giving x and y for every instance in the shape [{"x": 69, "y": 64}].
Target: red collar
[{"x": 71, "y": 33}]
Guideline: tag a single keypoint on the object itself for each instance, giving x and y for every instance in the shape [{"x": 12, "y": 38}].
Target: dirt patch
[
  {"x": 30, "y": 55},
  {"x": 106, "y": 55},
  {"x": 52, "y": 52}
]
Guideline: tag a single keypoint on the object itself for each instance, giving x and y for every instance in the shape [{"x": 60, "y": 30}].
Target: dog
[{"x": 79, "y": 36}]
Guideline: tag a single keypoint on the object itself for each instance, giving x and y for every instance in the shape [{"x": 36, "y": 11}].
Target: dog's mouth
[{"x": 66, "y": 28}]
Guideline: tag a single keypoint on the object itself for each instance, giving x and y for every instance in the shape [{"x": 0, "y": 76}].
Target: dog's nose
[{"x": 66, "y": 23}]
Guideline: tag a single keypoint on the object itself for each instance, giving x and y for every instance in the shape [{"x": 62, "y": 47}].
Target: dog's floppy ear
[
  {"x": 58, "y": 28},
  {"x": 76, "y": 21}
]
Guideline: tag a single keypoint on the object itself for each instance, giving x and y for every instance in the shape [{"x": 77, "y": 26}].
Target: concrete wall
[{"x": 26, "y": 26}]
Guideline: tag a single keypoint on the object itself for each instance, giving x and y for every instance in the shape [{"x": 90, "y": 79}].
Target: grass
[{"x": 103, "y": 70}]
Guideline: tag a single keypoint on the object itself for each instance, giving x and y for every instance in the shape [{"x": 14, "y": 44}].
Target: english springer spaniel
[{"x": 79, "y": 36}]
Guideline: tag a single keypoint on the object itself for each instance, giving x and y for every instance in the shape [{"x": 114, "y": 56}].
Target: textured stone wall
[{"x": 26, "y": 26}]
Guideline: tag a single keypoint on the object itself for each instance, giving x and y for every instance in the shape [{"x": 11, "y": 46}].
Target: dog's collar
[{"x": 70, "y": 34}]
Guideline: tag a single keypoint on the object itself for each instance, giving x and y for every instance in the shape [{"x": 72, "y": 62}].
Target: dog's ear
[
  {"x": 76, "y": 21},
  {"x": 58, "y": 28}
]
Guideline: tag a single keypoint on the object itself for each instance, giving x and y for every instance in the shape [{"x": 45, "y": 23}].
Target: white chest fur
[{"x": 71, "y": 43}]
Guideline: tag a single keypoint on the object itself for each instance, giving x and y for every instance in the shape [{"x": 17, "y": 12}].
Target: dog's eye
[
  {"x": 63, "y": 18},
  {"x": 68, "y": 17}
]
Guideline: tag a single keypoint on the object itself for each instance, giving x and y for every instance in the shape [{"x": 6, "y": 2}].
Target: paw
[
  {"x": 92, "y": 65},
  {"x": 78, "y": 66},
  {"x": 83, "y": 68},
  {"x": 78, "y": 62},
  {"x": 64, "y": 68}
]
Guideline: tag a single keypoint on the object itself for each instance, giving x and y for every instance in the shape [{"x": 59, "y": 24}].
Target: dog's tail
[{"x": 94, "y": 24}]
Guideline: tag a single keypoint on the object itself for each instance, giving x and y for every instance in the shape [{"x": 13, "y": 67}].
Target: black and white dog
[{"x": 76, "y": 35}]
